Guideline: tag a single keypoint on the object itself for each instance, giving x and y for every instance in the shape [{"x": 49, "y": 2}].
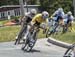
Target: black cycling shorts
[
  {"x": 68, "y": 21},
  {"x": 59, "y": 18},
  {"x": 37, "y": 23},
  {"x": 28, "y": 19}
]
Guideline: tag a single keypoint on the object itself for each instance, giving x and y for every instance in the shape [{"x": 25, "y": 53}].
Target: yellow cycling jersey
[{"x": 38, "y": 18}]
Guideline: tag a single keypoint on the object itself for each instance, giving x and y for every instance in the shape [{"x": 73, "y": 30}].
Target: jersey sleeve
[
  {"x": 72, "y": 18},
  {"x": 34, "y": 19},
  {"x": 63, "y": 14},
  {"x": 55, "y": 13}
]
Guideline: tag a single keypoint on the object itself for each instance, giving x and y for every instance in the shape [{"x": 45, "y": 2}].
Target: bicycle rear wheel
[{"x": 21, "y": 35}]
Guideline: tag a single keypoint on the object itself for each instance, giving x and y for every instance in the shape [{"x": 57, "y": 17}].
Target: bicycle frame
[
  {"x": 70, "y": 51},
  {"x": 31, "y": 39}
]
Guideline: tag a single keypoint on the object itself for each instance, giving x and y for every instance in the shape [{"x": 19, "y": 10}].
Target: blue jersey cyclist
[
  {"x": 69, "y": 17},
  {"x": 59, "y": 15}
]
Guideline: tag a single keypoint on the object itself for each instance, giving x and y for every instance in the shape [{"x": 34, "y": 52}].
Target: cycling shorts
[{"x": 59, "y": 18}]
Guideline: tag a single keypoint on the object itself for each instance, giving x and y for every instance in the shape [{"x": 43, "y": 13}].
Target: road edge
[{"x": 58, "y": 43}]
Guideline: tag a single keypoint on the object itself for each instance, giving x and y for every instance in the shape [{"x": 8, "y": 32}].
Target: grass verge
[
  {"x": 68, "y": 37},
  {"x": 9, "y": 33}
]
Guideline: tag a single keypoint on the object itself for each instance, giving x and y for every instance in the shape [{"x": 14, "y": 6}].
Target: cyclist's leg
[
  {"x": 64, "y": 28},
  {"x": 53, "y": 29},
  {"x": 68, "y": 25},
  {"x": 43, "y": 26},
  {"x": 25, "y": 36},
  {"x": 56, "y": 24},
  {"x": 71, "y": 25},
  {"x": 29, "y": 40},
  {"x": 24, "y": 28}
]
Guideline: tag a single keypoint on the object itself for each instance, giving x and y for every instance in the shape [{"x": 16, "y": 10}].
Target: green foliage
[
  {"x": 52, "y": 5},
  {"x": 15, "y": 17},
  {"x": 8, "y": 33},
  {"x": 48, "y": 5},
  {"x": 31, "y": 2},
  {"x": 3, "y": 22},
  {"x": 44, "y": 4},
  {"x": 68, "y": 37},
  {"x": 16, "y": 2},
  {"x": 9, "y": 2}
]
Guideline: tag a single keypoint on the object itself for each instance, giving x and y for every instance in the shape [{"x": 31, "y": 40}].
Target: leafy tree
[
  {"x": 52, "y": 5},
  {"x": 31, "y": 2},
  {"x": 48, "y": 5},
  {"x": 16, "y": 2},
  {"x": 44, "y": 5},
  {"x": 9, "y": 2}
]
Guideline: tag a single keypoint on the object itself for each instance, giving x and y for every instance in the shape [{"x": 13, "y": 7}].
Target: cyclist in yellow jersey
[
  {"x": 40, "y": 18},
  {"x": 37, "y": 20}
]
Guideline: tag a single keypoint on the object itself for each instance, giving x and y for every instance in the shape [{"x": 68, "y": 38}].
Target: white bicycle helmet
[
  {"x": 45, "y": 14},
  {"x": 69, "y": 13},
  {"x": 33, "y": 11},
  {"x": 60, "y": 9}
]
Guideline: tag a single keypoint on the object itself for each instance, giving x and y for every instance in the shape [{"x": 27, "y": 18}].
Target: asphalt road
[{"x": 41, "y": 49}]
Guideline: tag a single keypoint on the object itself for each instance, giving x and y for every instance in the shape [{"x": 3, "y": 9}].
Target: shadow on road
[{"x": 32, "y": 51}]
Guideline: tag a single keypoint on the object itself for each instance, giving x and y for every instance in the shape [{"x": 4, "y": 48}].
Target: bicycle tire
[
  {"x": 22, "y": 32},
  {"x": 33, "y": 43}
]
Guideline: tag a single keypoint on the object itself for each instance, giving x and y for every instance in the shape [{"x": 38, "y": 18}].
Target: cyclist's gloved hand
[{"x": 51, "y": 17}]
